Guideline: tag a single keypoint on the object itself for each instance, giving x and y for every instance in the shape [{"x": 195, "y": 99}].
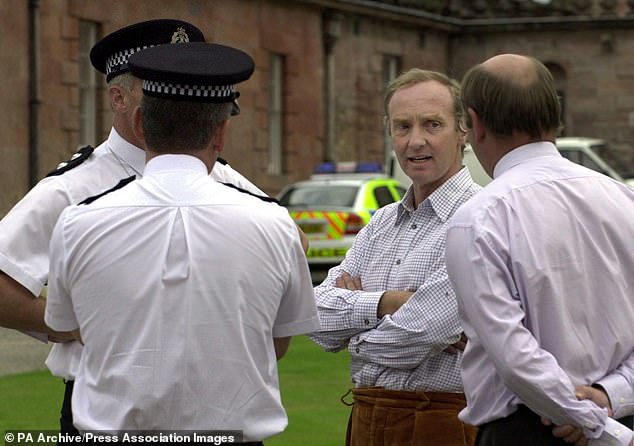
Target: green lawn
[
  {"x": 30, "y": 401},
  {"x": 312, "y": 383},
  {"x": 311, "y": 380}
]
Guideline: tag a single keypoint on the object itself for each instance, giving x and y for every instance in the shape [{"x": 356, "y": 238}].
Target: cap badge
[{"x": 180, "y": 36}]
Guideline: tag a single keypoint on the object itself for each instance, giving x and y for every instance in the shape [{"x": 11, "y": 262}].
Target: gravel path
[{"x": 20, "y": 353}]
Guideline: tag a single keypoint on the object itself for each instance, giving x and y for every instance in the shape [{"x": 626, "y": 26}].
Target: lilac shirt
[{"x": 542, "y": 262}]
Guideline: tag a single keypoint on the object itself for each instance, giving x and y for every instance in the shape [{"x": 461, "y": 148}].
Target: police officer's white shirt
[
  {"x": 179, "y": 284},
  {"x": 25, "y": 231}
]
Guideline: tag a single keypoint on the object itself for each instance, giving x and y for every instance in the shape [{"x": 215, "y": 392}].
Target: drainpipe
[
  {"x": 34, "y": 90},
  {"x": 331, "y": 32}
]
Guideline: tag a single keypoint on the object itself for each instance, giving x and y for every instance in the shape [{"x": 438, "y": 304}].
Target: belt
[{"x": 415, "y": 399}]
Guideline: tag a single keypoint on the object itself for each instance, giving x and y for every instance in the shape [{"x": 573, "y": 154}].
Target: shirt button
[
  {"x": 414, "y": 226},
  {"x": 622, "y": 400},
  {"x": 356, "y": 349},
  {"x": 398, "y": 262},
  {"x": 367, "y": 322}
]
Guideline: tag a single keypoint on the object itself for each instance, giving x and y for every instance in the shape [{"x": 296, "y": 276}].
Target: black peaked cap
[
  {"x": 110, "y": 55},
  {"x": 205, "y": 72}
]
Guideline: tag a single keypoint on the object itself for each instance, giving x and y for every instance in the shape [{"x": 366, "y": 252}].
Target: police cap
[
  {"x": 196, "y": 72},
  {"x": 110, "y": 55}
]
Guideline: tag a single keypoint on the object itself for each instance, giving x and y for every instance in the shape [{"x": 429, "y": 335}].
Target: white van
[
  {"x": 593, "y": 153},
  {"x": 581, "y": 150}
]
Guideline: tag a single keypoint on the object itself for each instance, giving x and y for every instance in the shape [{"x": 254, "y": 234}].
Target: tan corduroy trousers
[{"x": 383, "y": 417}]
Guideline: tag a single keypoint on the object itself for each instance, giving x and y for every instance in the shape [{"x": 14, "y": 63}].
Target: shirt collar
[
  {"x": 524, "y": 153},
  {"x": 175, "y": 162},
  {"x": 442, "y": 200},
  {"x": 126, "y": 152}
]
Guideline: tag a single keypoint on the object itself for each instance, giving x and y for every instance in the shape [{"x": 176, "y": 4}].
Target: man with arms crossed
[{"x": 390, "y": 301}]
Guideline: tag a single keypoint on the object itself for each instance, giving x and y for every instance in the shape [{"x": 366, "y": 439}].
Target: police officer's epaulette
[
  {"x": 119, "y": 185},
  {"x": 261, "y": 197},
  {"x": 78, "y": 157},
  {"x": 222, "y": 161}
]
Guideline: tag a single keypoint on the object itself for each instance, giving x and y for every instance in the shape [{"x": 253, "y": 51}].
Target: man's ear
[
  {"x": 477, "y": 128},
  {"x": 218, "y": 138},
  {"x": 463, "y": 136},
  {"x": 117, "y": 98},
  {"x": 138, "y": 124}
]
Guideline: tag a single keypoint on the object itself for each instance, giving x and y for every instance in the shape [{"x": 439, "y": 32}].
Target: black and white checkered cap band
[
  {"x": 212, "y": 92},
  {"x": 119, "y": 61}
]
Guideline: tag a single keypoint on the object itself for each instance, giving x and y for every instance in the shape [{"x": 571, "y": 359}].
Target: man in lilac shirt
[{"x": 541, "y": 263}]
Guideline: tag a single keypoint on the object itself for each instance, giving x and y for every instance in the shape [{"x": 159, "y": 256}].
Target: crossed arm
[{"x": 406, "y": 326}]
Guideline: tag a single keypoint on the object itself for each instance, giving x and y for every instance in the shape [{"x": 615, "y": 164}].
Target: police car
[{"x": 334, "y": 204}]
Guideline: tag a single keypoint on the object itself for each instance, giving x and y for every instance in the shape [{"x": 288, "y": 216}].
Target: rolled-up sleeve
[{"x": 344, "y": 313}]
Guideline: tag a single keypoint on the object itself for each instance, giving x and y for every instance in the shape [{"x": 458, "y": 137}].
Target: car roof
[
  {"x": 576, "y": 141},
  {"x": 352, "y": 179}
]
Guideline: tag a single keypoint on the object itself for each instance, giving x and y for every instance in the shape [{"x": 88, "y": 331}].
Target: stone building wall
[
  {"x": 596, "y": 80},
  {"x": 292, "y": 29},
  {"x": 14, "y": 99},
  {"x": 592, "y": 58},
  {"x": 360, "y": 53}
]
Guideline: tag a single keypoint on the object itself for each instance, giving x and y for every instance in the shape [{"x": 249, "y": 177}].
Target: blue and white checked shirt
[{"x": 402, "y": 248}]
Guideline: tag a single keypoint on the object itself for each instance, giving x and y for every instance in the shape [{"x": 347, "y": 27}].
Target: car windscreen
[
  {"x": 615, "y": 159},
  {"x": 320, "y": 195}
]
